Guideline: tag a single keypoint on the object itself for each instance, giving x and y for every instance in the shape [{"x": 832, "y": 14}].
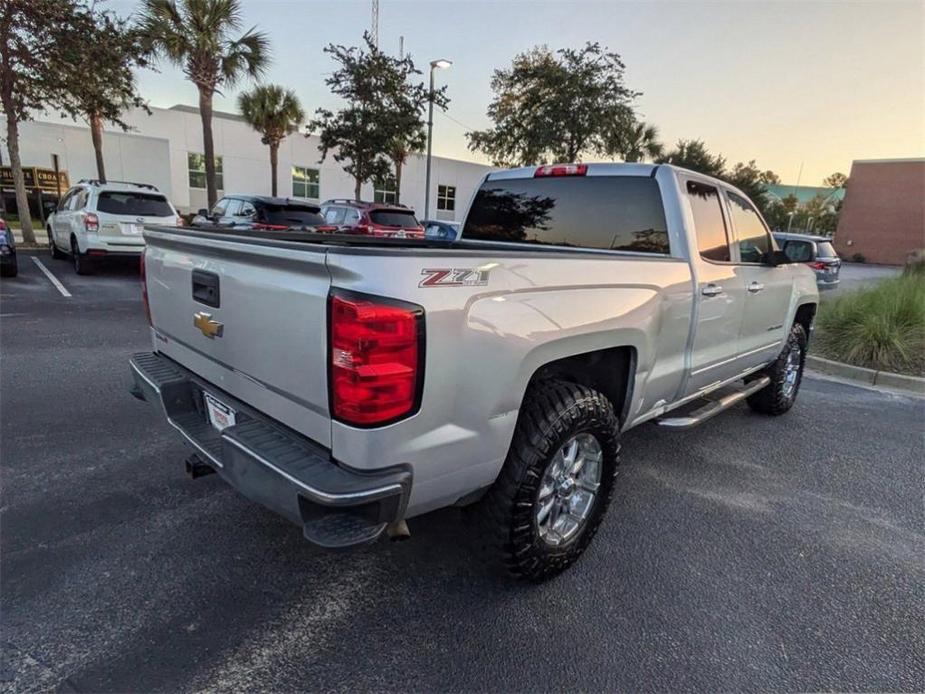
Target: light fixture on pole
[{"x": 434, "y": 64}]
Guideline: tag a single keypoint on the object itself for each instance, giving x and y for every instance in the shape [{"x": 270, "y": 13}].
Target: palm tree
[
  {"x": 273, "y": 112},
  {"x": 641, "y": 142},
  {"x": 197, "y": 35}
]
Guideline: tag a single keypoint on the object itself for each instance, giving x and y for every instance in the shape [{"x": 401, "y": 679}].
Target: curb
[{"x": 871, "y": 377}]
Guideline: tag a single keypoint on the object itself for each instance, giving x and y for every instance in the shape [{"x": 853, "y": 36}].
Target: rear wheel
[
  {"x": 786, "y": 374},
  {"x": 10, "y": 270},
  {"x": 53, "y": 248},
  {"x": 547, "y": 503},
  {"x": 82, "y": 264}
]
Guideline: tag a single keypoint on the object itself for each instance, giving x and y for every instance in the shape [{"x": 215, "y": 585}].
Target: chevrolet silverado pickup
[{"x": 350, "y": 382}]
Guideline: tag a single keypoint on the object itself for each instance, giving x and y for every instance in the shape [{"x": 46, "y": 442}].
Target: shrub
[
  {"x": 882, "y": 327},
  {"x": 858, "y": 258}
]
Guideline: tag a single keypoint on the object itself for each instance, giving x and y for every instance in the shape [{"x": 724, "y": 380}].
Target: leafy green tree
[
  {"x": 836, "y": 180},
  {"x": 99, "y": 82},
  {"x": 639, "y": 142},
  {"x": 381, "y": 119},
  {"x": 753, "y": 182},
  {"x": 694, "y": 155},
  {"x": 556, "y": 107},
  {"x": 201, "y": 37},
  {"x": 274, "y": 112},
  {"x": 37, "y": 37}
]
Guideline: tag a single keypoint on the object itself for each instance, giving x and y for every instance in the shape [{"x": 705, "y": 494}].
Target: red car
[{"x": 372, "y": 218}]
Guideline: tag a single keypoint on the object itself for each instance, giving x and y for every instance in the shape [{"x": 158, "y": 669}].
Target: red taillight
[
  {"x": 270, "y": 227},
  {"x": 91, "y": 222},
  {"x": 375, "y": 358},
  {"x": 818, "y": 265},
  {"x": 561, "y": 170},
  {"x": 144, "y": 287}
]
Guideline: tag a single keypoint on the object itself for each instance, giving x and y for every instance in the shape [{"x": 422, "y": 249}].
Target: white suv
[{"x": 95, "y": 220}]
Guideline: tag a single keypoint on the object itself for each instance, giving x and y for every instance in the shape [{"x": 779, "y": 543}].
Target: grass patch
[{"x": 882, "y": 327}]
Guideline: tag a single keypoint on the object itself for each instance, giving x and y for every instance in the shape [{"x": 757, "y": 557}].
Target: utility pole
[{"x": 374, "y": 31}]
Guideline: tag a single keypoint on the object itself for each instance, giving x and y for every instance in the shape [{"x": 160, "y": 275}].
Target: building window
[
  {"x": 306, "y": 183},
  {"x": 196, "y": 163},
  {"x": 384, "y": 191},
  {"x": 446, "y": 198}
]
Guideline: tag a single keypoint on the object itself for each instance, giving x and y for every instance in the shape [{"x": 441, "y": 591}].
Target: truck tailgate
[{"x": 265, "y": 307}]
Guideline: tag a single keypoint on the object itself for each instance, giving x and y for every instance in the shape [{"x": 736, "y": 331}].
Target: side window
[
  {"x": 247, "y": 209},
  {"x": 80, "y": 200},
  {"x": 220, "y": 207},
  {"x": 65, "y": 202},
  {"x": 710, "y": 227},
  {"x": 234, "y": 208},
  {"x": 334, "y": 215},
  {"x": 754, "y": 239},
  {"x": 351, "y": 216},
  {"x": 799, "y": 251}
]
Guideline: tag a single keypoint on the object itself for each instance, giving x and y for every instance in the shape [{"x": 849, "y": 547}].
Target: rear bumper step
[
  {"x": 714, "y": 407},
  {"x": 268, "y": 463}
]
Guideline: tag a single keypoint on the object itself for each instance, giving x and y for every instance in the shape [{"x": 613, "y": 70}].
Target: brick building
[{"x": 883, "y": 215}]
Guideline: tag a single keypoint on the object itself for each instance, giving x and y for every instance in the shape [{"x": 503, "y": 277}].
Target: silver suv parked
[
  {"x": 817, "y": 252},
  {"x": 101, "y": 219}
]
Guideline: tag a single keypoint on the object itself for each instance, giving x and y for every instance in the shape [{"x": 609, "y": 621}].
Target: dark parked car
[
  {"x": 372, "y": 218},
  {"x": 261, "y": 213},
  {"x": 441, "y": 231},
  {"x": 817, "y": 252},
  {"x": 8, "y": 266}
]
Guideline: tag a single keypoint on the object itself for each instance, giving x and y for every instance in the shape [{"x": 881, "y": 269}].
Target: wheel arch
[{"x": 611, "y": 371}]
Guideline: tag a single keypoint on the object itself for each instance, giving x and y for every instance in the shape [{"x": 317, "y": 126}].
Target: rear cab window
[
  {"x": 620, "y": 213},
  {"x": 394, "y": 218},
  {"x": 133, "y": 204}
]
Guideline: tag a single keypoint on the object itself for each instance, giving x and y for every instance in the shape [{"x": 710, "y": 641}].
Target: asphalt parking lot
[{"x": 749, "y": 554}]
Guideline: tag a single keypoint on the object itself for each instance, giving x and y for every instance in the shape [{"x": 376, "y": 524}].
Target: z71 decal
[{"x": 454, "y": 277}]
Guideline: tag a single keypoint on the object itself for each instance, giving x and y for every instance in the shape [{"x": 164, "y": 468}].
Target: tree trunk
[
  {"x": 96, "y": 133},
  {"x": 22, "y": 200},
  {"x": 356, "y": 189},
  {"x": 2, "y": 198},
  {"x": 274, "y": 161},
  {"x": 397, "y": 181},
  {"x": 208, "y": 147}
]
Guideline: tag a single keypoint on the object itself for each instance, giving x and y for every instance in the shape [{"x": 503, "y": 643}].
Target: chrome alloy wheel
[
  {"x": 791, "y": 372},
  {"x": 568, "y": 489}
]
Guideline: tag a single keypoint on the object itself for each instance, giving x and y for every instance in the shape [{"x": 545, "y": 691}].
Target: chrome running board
[{"x": 711, "y": 409}]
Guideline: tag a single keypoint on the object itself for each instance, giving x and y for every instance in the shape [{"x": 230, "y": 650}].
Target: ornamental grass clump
[{"x": 879, "y": 328}]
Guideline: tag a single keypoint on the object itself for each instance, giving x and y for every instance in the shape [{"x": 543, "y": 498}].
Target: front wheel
[
  {"x": 786, "y": 374},
  {"x": 556, "y": 484}
]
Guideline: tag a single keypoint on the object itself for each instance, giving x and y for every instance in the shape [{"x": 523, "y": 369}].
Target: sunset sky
[{"x": 780, "y": 82}]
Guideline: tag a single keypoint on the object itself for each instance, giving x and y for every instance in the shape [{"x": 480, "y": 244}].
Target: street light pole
[{"x": 442, "y": 63}]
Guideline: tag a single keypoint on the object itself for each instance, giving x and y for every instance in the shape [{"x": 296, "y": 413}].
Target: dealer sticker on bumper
[{"x": 220, "y": 415}]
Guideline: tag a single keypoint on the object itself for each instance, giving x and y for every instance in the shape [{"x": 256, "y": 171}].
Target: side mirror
[{"x": 775, "y": 258}]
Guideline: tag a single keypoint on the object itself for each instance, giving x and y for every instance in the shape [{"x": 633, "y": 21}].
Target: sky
[{"x": 794, "y": 85}]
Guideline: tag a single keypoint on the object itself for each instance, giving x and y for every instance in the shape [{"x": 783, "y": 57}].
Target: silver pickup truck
[{"x": 350, "y": 383}]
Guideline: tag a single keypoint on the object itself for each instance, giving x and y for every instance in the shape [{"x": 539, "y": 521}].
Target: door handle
[
  {"x": 712, "y": 290},
  {"x": 755, "y": 287}
]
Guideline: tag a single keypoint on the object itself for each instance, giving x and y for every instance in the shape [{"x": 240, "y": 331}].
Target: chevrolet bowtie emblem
[{"x": 210, "y": 328}]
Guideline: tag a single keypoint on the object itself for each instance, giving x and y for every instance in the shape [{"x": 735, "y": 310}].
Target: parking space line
[{"x": 51, "y": 278}]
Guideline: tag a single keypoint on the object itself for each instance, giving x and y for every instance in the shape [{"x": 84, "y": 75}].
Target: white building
[{"x": 165, "y": 149}]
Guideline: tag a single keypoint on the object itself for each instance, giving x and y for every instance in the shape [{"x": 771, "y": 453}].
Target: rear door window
[
  {"x": 623, "y": 213},
  {"x": 709, "y": 225},
  {"x": 393, "y": 218},
  {"x": 133, "y": 204},
  {"x": 233, "y": 209}
]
